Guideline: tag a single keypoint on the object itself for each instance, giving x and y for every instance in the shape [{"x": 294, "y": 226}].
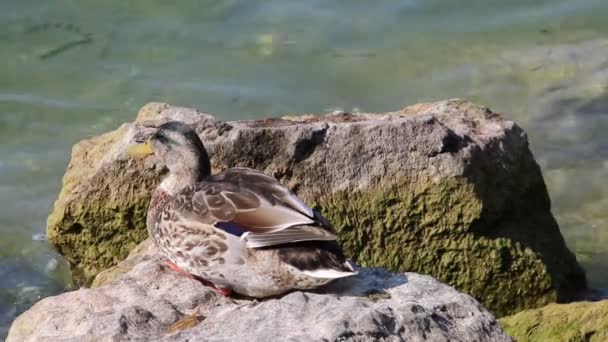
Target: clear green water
[{"x": 72, "y": 69}]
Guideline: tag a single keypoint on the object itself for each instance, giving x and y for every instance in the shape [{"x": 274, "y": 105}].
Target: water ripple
[{"x": 28, "y": 98}]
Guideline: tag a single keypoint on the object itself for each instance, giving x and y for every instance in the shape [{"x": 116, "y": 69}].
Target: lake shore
[{"x": 74, "y": 72}]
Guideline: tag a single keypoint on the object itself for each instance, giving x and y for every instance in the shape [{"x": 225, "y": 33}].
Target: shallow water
[{"x": 72, "y": 70}]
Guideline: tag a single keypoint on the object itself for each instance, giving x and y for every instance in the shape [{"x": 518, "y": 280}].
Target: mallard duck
[{"x": 239, "y": 230}]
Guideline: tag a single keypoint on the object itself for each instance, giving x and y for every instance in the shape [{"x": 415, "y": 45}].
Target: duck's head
[{"x": 180, "y": 149}]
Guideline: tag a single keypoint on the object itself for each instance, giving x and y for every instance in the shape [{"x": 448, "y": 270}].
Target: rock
[
  {"x": 152, "y": 302},
  {"x": 579, "y": 321},
  {"x": 448, "y": 189}
]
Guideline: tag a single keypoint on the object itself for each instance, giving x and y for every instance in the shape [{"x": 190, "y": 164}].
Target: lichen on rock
[{"x": 449, "y": 189}]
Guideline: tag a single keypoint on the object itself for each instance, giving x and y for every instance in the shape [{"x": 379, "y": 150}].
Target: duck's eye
[{"x": 160, "y": 137}]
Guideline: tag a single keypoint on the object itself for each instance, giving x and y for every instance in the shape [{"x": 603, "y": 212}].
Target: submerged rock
[
  {"x": 152, "y": 302},
  {"x": 580, "y": 321},
  {"x": 448, "y": 189}
]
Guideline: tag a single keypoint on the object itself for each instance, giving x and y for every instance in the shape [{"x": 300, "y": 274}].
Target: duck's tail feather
[
  {"x": 325, "y": 273},
  {"x": 318, "y": 259}
]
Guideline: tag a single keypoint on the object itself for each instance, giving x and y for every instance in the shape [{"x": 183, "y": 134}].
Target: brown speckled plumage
[{"x": 239, "y": 229}]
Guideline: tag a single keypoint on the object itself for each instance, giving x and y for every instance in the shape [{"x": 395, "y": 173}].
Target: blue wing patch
[{"x": 231, "y": 228}]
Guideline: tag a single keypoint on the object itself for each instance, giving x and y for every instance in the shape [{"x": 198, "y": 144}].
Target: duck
[{"x": 238, "y": 231}]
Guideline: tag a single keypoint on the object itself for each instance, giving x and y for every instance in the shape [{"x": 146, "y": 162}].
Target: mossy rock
[
  {"x": 436, "y": 228},
  {"x": 448, "y": 189},
  {"x": 574, "y": 322},
  {"x": 110, "y": 199}
]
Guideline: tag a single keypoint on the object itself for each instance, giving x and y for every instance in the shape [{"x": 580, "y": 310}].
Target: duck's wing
[{"x": 252, "y": 205}]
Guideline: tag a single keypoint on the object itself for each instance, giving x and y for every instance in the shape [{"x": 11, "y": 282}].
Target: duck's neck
[
  {"x": 191, "y": 167},
  {"x": 175, "y": 182}
]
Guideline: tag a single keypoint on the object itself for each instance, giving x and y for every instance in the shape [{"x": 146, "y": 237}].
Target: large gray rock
[
  {"x": 146, "y": 302},
  {"x": 448, "y": 189}
]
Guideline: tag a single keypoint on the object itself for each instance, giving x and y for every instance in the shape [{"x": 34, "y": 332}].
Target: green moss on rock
[
  {"x": 430, "y": 227},
  {"x": 109, "y": 198},
  {"x": 574, "y": 322}
]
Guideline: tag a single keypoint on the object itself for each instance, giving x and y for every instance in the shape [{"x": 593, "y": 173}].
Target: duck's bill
[{"x": 140, "y": 150}]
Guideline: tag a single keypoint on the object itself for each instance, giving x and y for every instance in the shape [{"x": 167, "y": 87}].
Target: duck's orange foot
[
  {"x": 179, "y": 270},
  {"x": 221, "y": 290},
  {"x": 189, "y": 275},
  {"x": 224, "y": 291}
]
